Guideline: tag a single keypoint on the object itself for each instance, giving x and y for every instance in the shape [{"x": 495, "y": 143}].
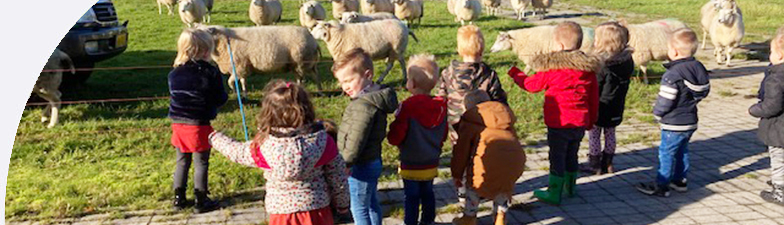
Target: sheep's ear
[{"x": 623, "y": 22}]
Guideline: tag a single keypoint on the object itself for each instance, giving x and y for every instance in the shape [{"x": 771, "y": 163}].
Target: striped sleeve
[{"x": 665, "y": 102}]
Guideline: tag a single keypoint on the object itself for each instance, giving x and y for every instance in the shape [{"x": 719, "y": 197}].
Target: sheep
[
  {"x": 355, "y": 17},
  {"x": 541, "y": 6},
  {"x": 310, "y": 13},
  {"x": 467, "y": 10},
  {"x": 380, "y": 39},
  {"x": 649, "y": 41},
  {"x": 374, "y": 6},
  {"x": 491, "y": 6},
  {"x": 519, "y": 7},
  {"x": 529, "y": 42},
  {"x": 409, "y": 10},
  {"x": 265, "y": 49},
  {"x": 707, "y": 14},
  {"x": 168, "y": 3},
  {"x": 265, "y": 12},
  {"x": 48, "y": 84},
  {"x": 192, "y": 12},
  {"x": 339, "y": 7},
  {"x": 726, "y": 31},
  {"x": 450, "y": 5}
]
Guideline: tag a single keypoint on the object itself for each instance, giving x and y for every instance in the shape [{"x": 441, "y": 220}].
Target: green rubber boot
[
  {"x": 553, "y": 193},
  {"x": 570, "y": 184}
]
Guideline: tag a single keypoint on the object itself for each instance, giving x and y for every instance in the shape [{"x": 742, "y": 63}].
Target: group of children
[{"x": 312, "y": 171}]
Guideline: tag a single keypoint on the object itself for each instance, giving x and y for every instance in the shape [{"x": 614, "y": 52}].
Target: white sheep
[
  {"x": 707, "y": 14},
  {"x": 342, "y": 6},
  {"x": 374, "y": 6},
  {"x": 467, "y": 10},
  {"x": 649, "y": 41},
  {"x": 450, "y": 5},
  {"x": 491, "y": 6},
  {"x": 265, "y": 49},
  {"x": 380, "y": 39},
  {"x": 410, "y": 10},
  {"x": 541, "y": 6},
  {"x": 168, "y": 3},
  {"x": 310, "y": 13},
  {"x": 519, "y": 6},
  {"x": 265, "y": 12},
  {"x": 529, "y": 42},
  {"x": 355, "y": 17},
  {"x": 48, "y": 84},
  {"x": 726, "y": 31},
  {"x": 192, "y": 12}
]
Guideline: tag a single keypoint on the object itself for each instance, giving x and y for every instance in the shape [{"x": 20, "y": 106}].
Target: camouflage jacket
[{"x": 461, "y": 78}]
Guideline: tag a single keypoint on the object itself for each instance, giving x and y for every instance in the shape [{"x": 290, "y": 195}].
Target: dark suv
[{"x": 95, "y": 37}]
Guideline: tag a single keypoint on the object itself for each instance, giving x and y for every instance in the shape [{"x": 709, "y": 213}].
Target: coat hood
[
  {"x": 619, "y": 58},
  {"x": 492, "y": 114},
  {"x": 295, "y": 152},
  {"x": 384, "y": 99},
  {"x": 429, "y": 112},
  {"x": 576, "y": 60}
]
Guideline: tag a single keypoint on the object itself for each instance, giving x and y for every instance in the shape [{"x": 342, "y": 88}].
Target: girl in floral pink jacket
[{"x": 304, "y": 172}]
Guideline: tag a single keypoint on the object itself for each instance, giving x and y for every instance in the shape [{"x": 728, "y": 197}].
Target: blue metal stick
[{"x": 237, "y": 87}]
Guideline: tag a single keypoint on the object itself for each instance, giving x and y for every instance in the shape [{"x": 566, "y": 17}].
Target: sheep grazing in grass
[
  {"x": 541, "y": 6},
  {"x": 192, "y": 12},
  {"x": 355, "y": 17},
  {"x": 381, "y": 39},
  {"x": 339, "y": 7},
  {"x": 491, "y": 6},
  {"x": 519, "y": 6},
  {"x": 168, "y": 3},
  {"x": 649, "y": 41},
  {"x": 265, "y": 49},
  {"x": 265, "y": 12},
  {"x": 310, "y": 13},
  {"x": 529, "y": 42},
  {"x": 410, "y": 10},
  {"x": 726, "y": 31},
  {"x": 374, "y": 6},
  {"x": 467, "y": 10},
  {"x": 48, "y": 85}
]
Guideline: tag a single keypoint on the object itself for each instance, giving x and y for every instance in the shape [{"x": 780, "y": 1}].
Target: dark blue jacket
[
  {"x": 770, "y": 109},
  {"x": 685, "y": 84},
  {"x": 196, "y": 90}
]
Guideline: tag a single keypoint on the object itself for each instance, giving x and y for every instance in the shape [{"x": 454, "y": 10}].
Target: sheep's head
[
  {"x": 322, "y": 30},
  {"x": 467, "y": 4},
  {"x": 727, "y": 13},
  {"x": 502, "y": 42},
  {"x": 185, "y": 5},
  {"x": 258, "y": 2},
  {"x": 349, "y": 17},
  {"x": 310, "y": 8}
]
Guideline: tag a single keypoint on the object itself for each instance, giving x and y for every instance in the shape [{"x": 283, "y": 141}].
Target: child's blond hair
[
  {"x": 474, "y": 98},
  {"x": 610, "y": 38},
  {"x": 470, "y": 41},
  {"x": 423, "y": 71},
  {"x": 685, "y": 41},
  {"x": 778, "y": 40},
  {"x": 356, "y": 59},
  {"x": 570, "y": 34},
  {"x": 193, "y": 44}
]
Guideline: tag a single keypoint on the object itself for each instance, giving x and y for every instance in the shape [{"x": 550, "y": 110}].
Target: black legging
[{"x": 202, "y": 161}]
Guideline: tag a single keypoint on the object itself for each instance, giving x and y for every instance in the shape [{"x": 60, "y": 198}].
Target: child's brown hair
[
  {"x": 685, "y": 41},
  {"x": 570, "y": 34},
  {"x": 192, "y": 44},
  {"x": 610, "y": 38},
  {"x": 423, "y": 71},
  {"x": 285, "y": 105},
  {"x": 470, "y": 41},
  {"x": 357, "y": 59}
]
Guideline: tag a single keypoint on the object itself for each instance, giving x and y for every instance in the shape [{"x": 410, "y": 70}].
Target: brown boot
[
  {"x": 465, "y": 220},
  {"x": 500, "y": 218},
  {"x": 593, "y": 166},
  {"x": 607, "y": 165}
]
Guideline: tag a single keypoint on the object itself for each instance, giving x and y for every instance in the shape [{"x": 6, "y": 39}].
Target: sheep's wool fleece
[
  {"x": 267, "y": 48},
  {"x": 649, "y": 40},
  {"x": 380, "y": 39}
]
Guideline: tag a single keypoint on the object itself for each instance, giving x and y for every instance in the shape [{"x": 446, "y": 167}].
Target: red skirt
[
  {"x": 191, "y": 138},
  {"x": 322, "y": 216}
]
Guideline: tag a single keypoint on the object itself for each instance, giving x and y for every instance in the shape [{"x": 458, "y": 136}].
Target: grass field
[{"x": 115, "y": 157}]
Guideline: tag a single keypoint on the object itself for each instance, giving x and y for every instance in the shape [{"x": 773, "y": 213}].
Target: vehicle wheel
[{"x": 70, "y": 80}]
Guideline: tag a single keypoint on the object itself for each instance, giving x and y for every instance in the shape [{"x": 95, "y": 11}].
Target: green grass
[{"x": 117, "y": 157}]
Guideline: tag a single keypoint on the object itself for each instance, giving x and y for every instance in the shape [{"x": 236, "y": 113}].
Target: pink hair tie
[{"x": 288, "y": 84}]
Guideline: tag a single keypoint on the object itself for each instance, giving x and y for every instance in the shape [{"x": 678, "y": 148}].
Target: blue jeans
[
  {"x": 419, "y": 192},
  {"x": 673, "y": 157},
  {"x": 362, "y": 185}
]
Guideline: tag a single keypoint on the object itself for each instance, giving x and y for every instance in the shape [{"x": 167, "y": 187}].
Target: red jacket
[
  {"x": 426, "y": 110},
  {"x": 571, "y": 98}
]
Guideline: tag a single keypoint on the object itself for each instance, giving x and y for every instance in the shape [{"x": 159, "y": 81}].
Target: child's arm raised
[
  {"x": 773, "y": 101},
  {"x": 534, "y": 83},
  {"x": 235, "y": 151}
]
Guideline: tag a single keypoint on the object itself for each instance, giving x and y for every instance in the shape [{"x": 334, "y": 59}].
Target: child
[
  {"x": 196, "y": 90},
  {"x": 685, "y": 84},
  {"x": 304, "y": 172},
  {"x": 571, "y": 103},
  {"x": 771, "y": 126},
  {"x": 419, "y": 130},
  {"x": 462, "y": 77},
  {"x": 362, "y": 130},
  {"x": 489, "y": 154},
  {"x": 610, "y": 45}
]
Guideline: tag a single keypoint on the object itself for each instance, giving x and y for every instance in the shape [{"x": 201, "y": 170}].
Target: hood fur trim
[{"x": 576, "y": 60}]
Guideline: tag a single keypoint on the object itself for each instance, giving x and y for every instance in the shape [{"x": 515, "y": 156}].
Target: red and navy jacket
[{"x": 419, "y": 130}]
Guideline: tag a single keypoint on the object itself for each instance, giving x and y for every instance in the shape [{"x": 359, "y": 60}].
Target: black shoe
[
  {"x": 204, "y": 203},
  {"x": 680, "y": 186},
  {"x": 774, "y": 196},
  {"x": 652, "y": 189},
  {"x": 180, "y": 202},
  {"x": 607, "y": 165},
  {"x": 770, "y": 183},
  {"x": 594, "y": 162}
]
